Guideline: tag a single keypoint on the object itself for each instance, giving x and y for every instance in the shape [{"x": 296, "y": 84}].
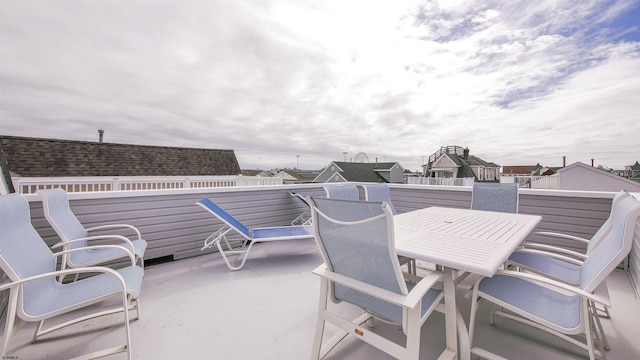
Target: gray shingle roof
[
  {"x": 38, "y": 157},
  {"x": 365, "y": 172}
]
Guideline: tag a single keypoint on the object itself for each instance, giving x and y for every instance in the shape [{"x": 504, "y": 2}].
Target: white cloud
[{"x": 516, "y": 81}]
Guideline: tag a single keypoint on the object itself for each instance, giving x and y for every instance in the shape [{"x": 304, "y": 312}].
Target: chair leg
[
  {"x": 9, "y": 321},
  {"x": 586, "y": 313},
  {"x": 320, "y": 321}
]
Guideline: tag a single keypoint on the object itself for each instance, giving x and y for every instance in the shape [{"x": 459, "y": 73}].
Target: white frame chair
[
  {"x": 380, "y": 192},
  {"x": 365, "y": 281},
  {"x": 35, "y": 294},
  {"x": 342, "y": 192},
  {"x": 556, "y": 307},
  {"x": 501, "y": 197},
  {"x": 74, "y": 235}
]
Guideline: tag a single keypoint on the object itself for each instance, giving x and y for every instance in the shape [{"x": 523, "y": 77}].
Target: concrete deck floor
[{"x": 197, "y": 309}]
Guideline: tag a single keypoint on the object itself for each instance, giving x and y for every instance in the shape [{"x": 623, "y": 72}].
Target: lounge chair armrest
[
  {"x": 80, "y": 270},
  {"x": 115, "y": 226},
  {"x": 555, "y": 285},
  {"x": 554, "y": 255},
  {"x": 409, "y": 301},
  {"x": 562, "y": 236},
  {"x": 127, "y": 251}
]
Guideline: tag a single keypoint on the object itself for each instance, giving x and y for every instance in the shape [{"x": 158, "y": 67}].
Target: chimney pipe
[
  {"x": 564, "y": 161},
  {"x": 100, "y": 135},
  {"x": 592, "y": 162}
]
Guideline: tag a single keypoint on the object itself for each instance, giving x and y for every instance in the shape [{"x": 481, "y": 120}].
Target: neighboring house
[
  {"x": 580, "y": 176},
  {"x": 38, "y": 157},
  {"x": 338, "y": 171},
  {"x": 296, "y": 176},
  {"x": 258, "y": 172},
  {"x": 456, "y": 162},
  {"x": 634, "y": 172}
]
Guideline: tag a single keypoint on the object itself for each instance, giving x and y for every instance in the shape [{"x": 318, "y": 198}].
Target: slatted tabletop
[{"x": 471, "y": 240}]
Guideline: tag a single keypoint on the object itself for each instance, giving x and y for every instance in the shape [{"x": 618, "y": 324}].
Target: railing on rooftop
[
  {"x": 532, "y": 182},
  {"x": 129, "y": 183},
  {"x": 440, "y": 181}
]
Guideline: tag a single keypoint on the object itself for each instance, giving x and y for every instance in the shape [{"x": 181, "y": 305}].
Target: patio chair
[
  {"x": 361, "y": 268},
  {"x": 495, "y": 197},
  {"x": 556, "y": 307},
  {"x": 380, "y": 192},
  {"x": 305, "y": 217},
  {"x": 74, "y": 235},
  {"x": 561, "y": 263},
  {"x": 36, "y": 295},
  {"x": 250, "y": 235},
  {"x": 342, "y": 192}
]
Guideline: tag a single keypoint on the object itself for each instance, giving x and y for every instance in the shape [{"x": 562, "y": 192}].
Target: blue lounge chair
[
  {"x": 251, "y": 236},
  {"x": 305, "y": 217}
]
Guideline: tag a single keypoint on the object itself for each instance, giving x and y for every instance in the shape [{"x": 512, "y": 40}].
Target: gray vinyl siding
[{"x": 174, "y": 226}]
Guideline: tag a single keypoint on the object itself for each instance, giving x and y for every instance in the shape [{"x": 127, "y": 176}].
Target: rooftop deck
[{"x": 195, "y": 308}]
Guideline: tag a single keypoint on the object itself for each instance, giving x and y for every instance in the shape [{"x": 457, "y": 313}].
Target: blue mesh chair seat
[
  {"x": 35, "y": 294},
  {"x": 361, "y": 267},
  {"x": 380, "y": 192},
  {"x": 495, "y": 197}
]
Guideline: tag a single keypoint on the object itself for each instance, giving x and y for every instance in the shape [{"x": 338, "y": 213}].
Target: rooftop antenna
[{"x": 344, "y": 153}]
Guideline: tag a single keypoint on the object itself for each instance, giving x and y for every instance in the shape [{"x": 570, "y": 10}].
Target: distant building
[
  {"x": 634, "y": 172},
  {"x": 295, "y": 176},
  {"x": 338, "y": 171},
  {"x": 456, "y": 162},
  {"x": 579, "y": 176},
  {"x": 38, "y": 157}
]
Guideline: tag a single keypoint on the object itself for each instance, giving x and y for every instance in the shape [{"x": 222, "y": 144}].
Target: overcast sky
[{"x": 518, "y": 82}]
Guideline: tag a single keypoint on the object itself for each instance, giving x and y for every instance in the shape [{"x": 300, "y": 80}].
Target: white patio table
[{"x": 472, "y": 241}]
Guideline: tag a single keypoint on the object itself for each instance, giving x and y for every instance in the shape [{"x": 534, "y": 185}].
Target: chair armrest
[
  {"x": 411, "y": 300},
  {"x": 127, "y": 251},
  {"x": 115, "y": 226},
  {"x": 555, "y": 285},
  {"x": 556, "y": 249},
  {"x": 80, "y": 270},
  {"x": 553, "y": 255},
  {"x": 562, "y": 236},
  {"x": 97, "y": 237}
]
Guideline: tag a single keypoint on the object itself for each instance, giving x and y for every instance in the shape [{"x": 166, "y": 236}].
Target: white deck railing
[
  {"x": 440, "y": 181},
  {"x": 532, "y": 182},
  {"x": 107, "y": 183}
]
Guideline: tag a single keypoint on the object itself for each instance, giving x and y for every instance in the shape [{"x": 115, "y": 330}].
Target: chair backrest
[
  {"x": 606, "y": 226},
  {"x": 356, "y": 240},
  {"x": 615, "y": 246},
  {"x": 56, "y": 208},
  {"x": 342, "y": 192},
  {"x": 501, "y": 197},
  {"x": 23, "y": 253},
  {"x": 378, "y": 192},
  {"x": 225, "y": 217}
]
